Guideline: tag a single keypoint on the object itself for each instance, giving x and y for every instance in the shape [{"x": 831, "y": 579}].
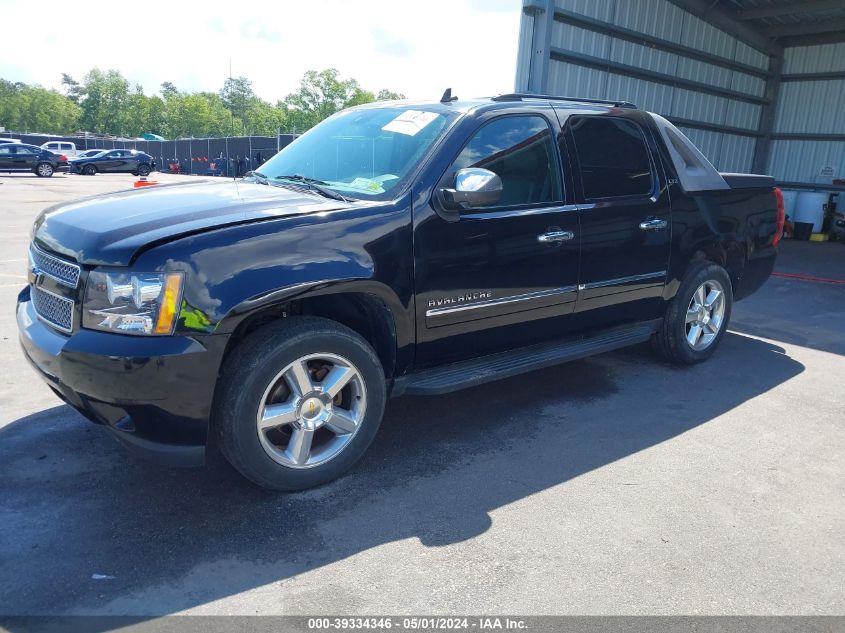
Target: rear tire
[
  {"x": 89, "y": 170},
  {"x": 697, "y": 317},
  {"x": 143, "y": 170},
  {"x": 44, "y": 170},
  {"x": 287, "y": 372}
]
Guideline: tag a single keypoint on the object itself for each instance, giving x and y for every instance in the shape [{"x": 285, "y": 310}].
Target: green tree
[
  {"x": 74, "y": 90},
  {"x": 238, "y": 96},
  {"x": 106, "y": 101},
  {"x": 320, "y": 95},
  {"x": 35, "y": 109},
  {"x": 388, "y": 95},
  {"x": 168, "y": 90},
  {"x": 261, "y": 118},
  {"x": 200, "y": 114}
]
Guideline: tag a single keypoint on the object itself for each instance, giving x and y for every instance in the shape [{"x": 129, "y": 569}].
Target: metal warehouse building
[{"x": 758, "y": 85}]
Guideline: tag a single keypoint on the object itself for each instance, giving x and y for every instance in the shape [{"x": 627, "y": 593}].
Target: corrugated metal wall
[
  {"x": 810, "y": 107},
  {"x": 660, "y": 19}
]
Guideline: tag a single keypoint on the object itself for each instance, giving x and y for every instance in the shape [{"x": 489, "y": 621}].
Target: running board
[{"x": 470, "y": 373}]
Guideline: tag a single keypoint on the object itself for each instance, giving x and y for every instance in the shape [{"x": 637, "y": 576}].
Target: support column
[
  {"x": 543, "y": 12},
  {"x": 763, "y": 147}
]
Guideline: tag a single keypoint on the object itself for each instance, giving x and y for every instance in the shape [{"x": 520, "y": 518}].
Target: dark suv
[
  {"x": 394, "y": 248},
  {"x": 22, "y": 157}
]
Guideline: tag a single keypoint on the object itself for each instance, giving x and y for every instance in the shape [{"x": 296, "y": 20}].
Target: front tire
[
  {"x": 298, "y": 403},
  {"x": 44, "y": 170},
  {"x": 697, "y": 317},
  {"x": 89, "y": 170}
]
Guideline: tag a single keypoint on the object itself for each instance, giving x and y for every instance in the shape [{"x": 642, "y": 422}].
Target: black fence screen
[{"x": 230, "y": 156}]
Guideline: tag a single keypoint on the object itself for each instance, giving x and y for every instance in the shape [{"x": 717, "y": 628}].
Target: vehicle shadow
[{"x": 72, "y": 504}]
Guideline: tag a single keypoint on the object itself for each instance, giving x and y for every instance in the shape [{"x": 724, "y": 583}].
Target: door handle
[
  {"x": 653, "y": 224},
  {"x": 555, "y": 237}
]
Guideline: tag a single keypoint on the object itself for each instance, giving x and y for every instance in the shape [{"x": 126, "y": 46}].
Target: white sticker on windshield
[{"x": 410, "y": 122}]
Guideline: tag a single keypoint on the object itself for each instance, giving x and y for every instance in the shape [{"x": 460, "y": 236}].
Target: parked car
[
  {"x": 23, "y": 157},
  {"x": 114, "y": 161},
  {"x": 88, "y": 153},
  {"x": 392, "y": 249},
  {"x": 3, "y": 139},
  {"x": 61, "y": 147}
]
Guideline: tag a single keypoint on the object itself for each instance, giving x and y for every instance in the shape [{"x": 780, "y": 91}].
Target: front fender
[
  {"x": 233, "y": 271},
  {"x": 402, "y": 316}
]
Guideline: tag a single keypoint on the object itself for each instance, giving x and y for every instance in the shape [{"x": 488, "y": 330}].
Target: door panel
[
  {"x": 625, "y": 220},
  {"x": 482, "y": 279},
  {"x": 7, "y": 158},
  {"x": 26, "y": 158},
  {"x": 505, "y": 276}
]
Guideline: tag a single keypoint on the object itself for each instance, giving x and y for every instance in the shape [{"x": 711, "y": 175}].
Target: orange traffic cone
[{"x": 143, "y": 182}]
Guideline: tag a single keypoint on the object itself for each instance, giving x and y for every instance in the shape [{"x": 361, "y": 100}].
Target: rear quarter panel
[{"x": 733, "y": 227}]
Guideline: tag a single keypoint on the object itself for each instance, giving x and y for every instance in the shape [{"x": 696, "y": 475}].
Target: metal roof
[{"x": 790, "y": 22}]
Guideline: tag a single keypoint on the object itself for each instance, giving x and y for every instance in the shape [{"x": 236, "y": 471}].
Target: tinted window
[
  {"x": 28, "y": 149},
  {"x": 613, "y": 157},
  {"x": 521, "y": 151},
  {"x": 7, "y": 150}
]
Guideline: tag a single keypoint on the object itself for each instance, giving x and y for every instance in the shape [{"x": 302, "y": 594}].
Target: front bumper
[{"x": 153, "y": 393}]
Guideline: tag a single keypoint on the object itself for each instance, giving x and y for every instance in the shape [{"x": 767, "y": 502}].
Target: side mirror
[{"x": 474, "y": 187}]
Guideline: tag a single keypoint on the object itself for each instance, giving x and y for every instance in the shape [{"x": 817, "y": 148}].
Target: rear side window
[
  {"x": 613, "y": 157},
  {"x": 520, "y": 150}
]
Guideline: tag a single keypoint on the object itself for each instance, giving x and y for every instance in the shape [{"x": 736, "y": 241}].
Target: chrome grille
[
  {"x": 55, "y": 310},
  {"x": 64, "y": 272}
]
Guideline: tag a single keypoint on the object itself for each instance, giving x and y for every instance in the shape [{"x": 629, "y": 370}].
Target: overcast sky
[{"x": 418, "y": 47}]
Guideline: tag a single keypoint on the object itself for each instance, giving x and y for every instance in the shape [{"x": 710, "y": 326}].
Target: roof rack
[{"x": 518, "y": 96}]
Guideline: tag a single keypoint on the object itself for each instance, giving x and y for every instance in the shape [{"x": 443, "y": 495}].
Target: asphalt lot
[{"x": 614, "y": 485}]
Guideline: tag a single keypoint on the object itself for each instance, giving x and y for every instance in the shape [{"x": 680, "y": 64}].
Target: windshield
[{"x": 361, "y": 153}]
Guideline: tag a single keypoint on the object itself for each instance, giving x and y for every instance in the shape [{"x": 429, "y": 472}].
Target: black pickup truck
[{"x": 396, "y": 248}]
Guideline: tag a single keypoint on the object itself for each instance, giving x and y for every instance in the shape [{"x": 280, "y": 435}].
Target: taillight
[
  {"x": 63, "y": 157},
  {"x": 781, "y": 217}
]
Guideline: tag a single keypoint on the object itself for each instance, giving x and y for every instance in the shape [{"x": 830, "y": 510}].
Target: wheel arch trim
[{"x": 401, "y": 316}]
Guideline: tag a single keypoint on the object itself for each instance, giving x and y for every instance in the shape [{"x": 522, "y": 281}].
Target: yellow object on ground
[{"x": 818, "y": 237}]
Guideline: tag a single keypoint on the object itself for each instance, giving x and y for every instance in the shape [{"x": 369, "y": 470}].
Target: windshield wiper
[{"x": 317, "y": 185}]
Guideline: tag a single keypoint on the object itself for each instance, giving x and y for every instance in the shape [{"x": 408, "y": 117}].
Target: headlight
[{"x": 136, "y": 303}]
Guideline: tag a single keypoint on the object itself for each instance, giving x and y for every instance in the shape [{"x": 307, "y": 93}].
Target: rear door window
[{"x": 613, "y": 157}]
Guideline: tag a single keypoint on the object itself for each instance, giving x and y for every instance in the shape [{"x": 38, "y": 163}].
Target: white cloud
[{"x": 416, "y": 48}]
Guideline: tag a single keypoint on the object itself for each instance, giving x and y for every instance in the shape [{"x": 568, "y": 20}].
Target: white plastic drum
[{"x": 809, "y": 207}]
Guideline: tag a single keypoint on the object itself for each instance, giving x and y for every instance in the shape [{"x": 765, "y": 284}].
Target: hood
[{"x": 111, "y": 229}]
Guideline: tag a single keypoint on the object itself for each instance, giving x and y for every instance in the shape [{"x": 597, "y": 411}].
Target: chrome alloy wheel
[
  {"x": 705, "y": 314},
  {"x": 311, "y": 410},
  {"x": 45, "y": 169}
]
